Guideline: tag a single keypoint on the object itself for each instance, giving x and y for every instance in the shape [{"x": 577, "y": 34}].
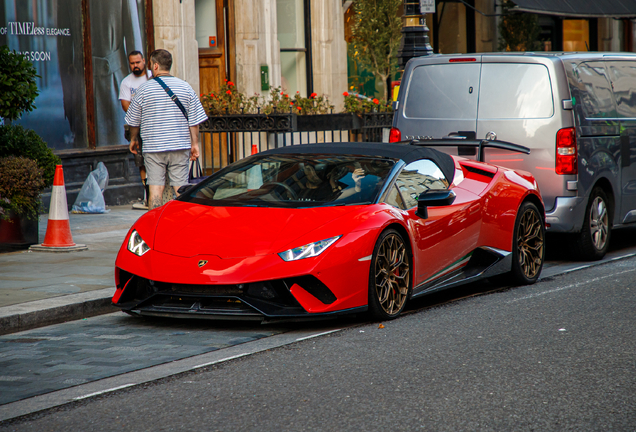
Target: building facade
[{"x": 80, "y": 47}]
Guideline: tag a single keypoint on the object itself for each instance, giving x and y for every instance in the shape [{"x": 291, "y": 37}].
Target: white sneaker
[{"x": 140, "y": 206}]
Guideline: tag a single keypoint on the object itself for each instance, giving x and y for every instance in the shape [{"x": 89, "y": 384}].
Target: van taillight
[
  {"x": 395, "y": 135},
  {"x": 566, "y": 155}
]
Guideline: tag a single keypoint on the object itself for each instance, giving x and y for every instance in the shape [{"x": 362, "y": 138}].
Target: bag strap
[{"x": 173, "y": 96}]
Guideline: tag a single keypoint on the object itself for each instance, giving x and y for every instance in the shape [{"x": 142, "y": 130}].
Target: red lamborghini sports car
[{"x": 318, "y": 230}]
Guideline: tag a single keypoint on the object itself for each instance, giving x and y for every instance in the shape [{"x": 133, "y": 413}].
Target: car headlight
[
  {"x": 308, "y": 250},
  {"x": 136, "y": 244}
]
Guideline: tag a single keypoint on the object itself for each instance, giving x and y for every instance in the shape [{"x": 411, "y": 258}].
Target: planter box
[{"x": 18, "y": 233}]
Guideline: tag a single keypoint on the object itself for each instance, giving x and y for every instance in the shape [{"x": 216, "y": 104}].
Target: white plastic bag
[{"x": 91, "y": 197}]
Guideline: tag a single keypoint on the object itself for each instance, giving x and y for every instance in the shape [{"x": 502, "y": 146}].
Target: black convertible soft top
[{"x": 408, "y": 153}]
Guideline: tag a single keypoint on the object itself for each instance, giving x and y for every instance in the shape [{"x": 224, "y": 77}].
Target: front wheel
[
  {"x": 528, "y": 245},
  {"x": 389, "y": 276},
  {"x": 592, "y": 243}
]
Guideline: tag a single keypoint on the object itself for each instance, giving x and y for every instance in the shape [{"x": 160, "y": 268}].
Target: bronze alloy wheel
[
  {"x": 392, "y": 274},
  {"x": 599, "y": 224},
  {"x": 530, "y": 241}
]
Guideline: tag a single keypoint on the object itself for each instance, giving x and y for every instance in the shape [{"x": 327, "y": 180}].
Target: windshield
[{"x": 295, "y": 181}]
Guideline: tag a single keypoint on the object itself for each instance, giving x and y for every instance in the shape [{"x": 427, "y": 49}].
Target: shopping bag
[{"x": 196, "y": 173}]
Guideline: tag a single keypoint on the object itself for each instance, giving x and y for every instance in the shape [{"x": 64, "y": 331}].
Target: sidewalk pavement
[{"x": 42, "y": 288}]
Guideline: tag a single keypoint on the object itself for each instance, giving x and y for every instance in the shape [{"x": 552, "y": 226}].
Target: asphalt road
[{"x": 555, "y": 356}]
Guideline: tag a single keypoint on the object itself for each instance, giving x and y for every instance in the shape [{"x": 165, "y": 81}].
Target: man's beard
[{"x": 138, "y": 72}]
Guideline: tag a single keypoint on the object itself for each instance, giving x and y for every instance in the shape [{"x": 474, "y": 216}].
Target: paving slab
[{"x": 39, "y": 289}]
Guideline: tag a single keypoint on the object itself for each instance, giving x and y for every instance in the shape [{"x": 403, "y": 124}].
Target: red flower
[
  {"x": 375, "y": 101},
  {"x": 297, "y": 92},
  {"x": 201, "y": 95},
  {"x": 291, "y": 103},
  {"x": 345, "y": 94},
  {"x": 229, "y": 92},
  {"x": 313, "y": 95},
  {"x": 282, "y": 93},
  {"x": 286, "y": 96},
  {"x": 298, "y": 108},
  {"x": 230, "y": 83}
]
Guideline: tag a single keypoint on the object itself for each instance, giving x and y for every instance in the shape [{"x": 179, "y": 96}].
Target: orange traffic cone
[
  {"x": 58, "y": 236},
  {"x": 254, "y": 149}
]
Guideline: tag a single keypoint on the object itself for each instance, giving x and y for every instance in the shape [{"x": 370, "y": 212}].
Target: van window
[
  {"x": 591, "y": 90},
  {"x": 515, "y": 91},
  {"x": 447, "y": 91},
  {"x": 623, "y": 76},
  {"x": 418, "y": 177}
]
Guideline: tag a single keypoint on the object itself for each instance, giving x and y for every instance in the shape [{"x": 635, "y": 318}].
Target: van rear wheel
[{"x": 593, "y": 241}]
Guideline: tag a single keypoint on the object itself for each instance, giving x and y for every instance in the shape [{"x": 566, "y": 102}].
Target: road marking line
[
  {"x": 103, "y": 391},
  {"x": 317, "y": 334},
  {"x": 576, "y": 285},
  {"x": 221, "y": 360}
]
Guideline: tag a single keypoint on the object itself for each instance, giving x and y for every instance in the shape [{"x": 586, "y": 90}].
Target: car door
[{"x": 443, "y": 240}]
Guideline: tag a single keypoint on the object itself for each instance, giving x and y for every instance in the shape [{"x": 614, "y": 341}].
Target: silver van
[{"x": 575, "y": 111}]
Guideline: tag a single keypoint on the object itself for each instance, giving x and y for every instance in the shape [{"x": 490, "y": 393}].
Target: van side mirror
[{"x": 433, "y": 198}]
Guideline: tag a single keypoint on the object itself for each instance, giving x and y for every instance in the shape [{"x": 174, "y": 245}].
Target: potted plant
[
  {"x": 21, "y": 184},
  {"x": 27, "y": 164}
]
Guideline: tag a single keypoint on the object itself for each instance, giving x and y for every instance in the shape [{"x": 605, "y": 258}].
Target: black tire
[
  {"x": 593, "y": 241},
  {"x": 528, "y": 245},
  {"x": 390, "y": 277}
]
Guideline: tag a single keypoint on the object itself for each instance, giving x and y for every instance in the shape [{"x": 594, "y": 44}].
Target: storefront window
[
  {"x": 117, "y": 28},
  {"x": 294, "y": 40},
  {"x": 576, "y": 35},
  {"x": 49, "y": 33},
  {"x": 205, "y": 14}
]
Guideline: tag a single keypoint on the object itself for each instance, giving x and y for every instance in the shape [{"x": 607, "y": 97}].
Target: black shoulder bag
[
  {"x": 195, "y": 166},
  {"x": 173, "y": 96}
]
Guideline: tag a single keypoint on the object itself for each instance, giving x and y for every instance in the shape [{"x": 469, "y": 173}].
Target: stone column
[
  {"x": 256, "y": 45},
  {"x": 329, "y": 50},
  {"x": 174, "y": 31}
]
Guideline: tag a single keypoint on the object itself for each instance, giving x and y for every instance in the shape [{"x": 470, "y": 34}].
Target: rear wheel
[
  {"x": 390, "y": 276},
  {"x": 593, "y": 241},
  {"x": 528, "y": 248}
]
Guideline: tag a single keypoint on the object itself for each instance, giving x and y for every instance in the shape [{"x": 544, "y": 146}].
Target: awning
[{"x": 579, "y": 8}]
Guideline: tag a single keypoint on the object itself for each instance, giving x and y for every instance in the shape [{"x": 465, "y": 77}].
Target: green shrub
[
  {"x": 21, "y": 183},
  {"x": 17, "y": 141},
  {"x": 17, "y": 84}
]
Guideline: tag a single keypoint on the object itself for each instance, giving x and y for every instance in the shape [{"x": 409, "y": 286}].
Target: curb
[{"x": 40, "y": 313}]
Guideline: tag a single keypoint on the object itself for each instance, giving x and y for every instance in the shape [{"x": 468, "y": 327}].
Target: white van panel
[
  {"x": 439, "y": 95},
  {"x": 515, "y": 91}
]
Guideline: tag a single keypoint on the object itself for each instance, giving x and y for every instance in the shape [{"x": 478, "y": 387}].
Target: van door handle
[{"x": 468, "y": 135}]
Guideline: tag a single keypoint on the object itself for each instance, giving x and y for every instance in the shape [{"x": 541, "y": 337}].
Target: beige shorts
[{"x": 175, "y": 162}]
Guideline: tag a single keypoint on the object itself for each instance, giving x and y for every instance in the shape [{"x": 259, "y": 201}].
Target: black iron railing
[{"x": 228, "y": 138}]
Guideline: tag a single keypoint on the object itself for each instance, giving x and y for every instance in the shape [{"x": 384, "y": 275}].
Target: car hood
[{"x": 187, "y": 230}]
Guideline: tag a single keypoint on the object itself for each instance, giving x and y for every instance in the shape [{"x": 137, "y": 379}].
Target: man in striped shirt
[{"x": 170, "y": 135}]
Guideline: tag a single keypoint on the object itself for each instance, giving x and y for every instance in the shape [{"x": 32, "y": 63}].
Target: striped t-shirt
[{"x": 163, "y": 126}]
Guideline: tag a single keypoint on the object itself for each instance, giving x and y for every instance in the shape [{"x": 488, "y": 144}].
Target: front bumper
[
  {"x": 276, "y": 299},
  {"x": 567, "y": 215},
  {"x": 158, "y": 283}
]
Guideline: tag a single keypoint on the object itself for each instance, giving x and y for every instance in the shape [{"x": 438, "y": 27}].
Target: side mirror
[{"x": 433, "y": 198}]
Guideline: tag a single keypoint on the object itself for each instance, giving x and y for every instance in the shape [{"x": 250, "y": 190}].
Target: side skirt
[{"x": 479, "y": 264}]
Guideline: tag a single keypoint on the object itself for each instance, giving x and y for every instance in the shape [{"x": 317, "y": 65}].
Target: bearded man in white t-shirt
[{"x": 139, "y": 75}]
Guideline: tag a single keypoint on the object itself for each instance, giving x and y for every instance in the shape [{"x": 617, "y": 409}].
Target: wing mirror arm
[{"x": 433, "y": 198}]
